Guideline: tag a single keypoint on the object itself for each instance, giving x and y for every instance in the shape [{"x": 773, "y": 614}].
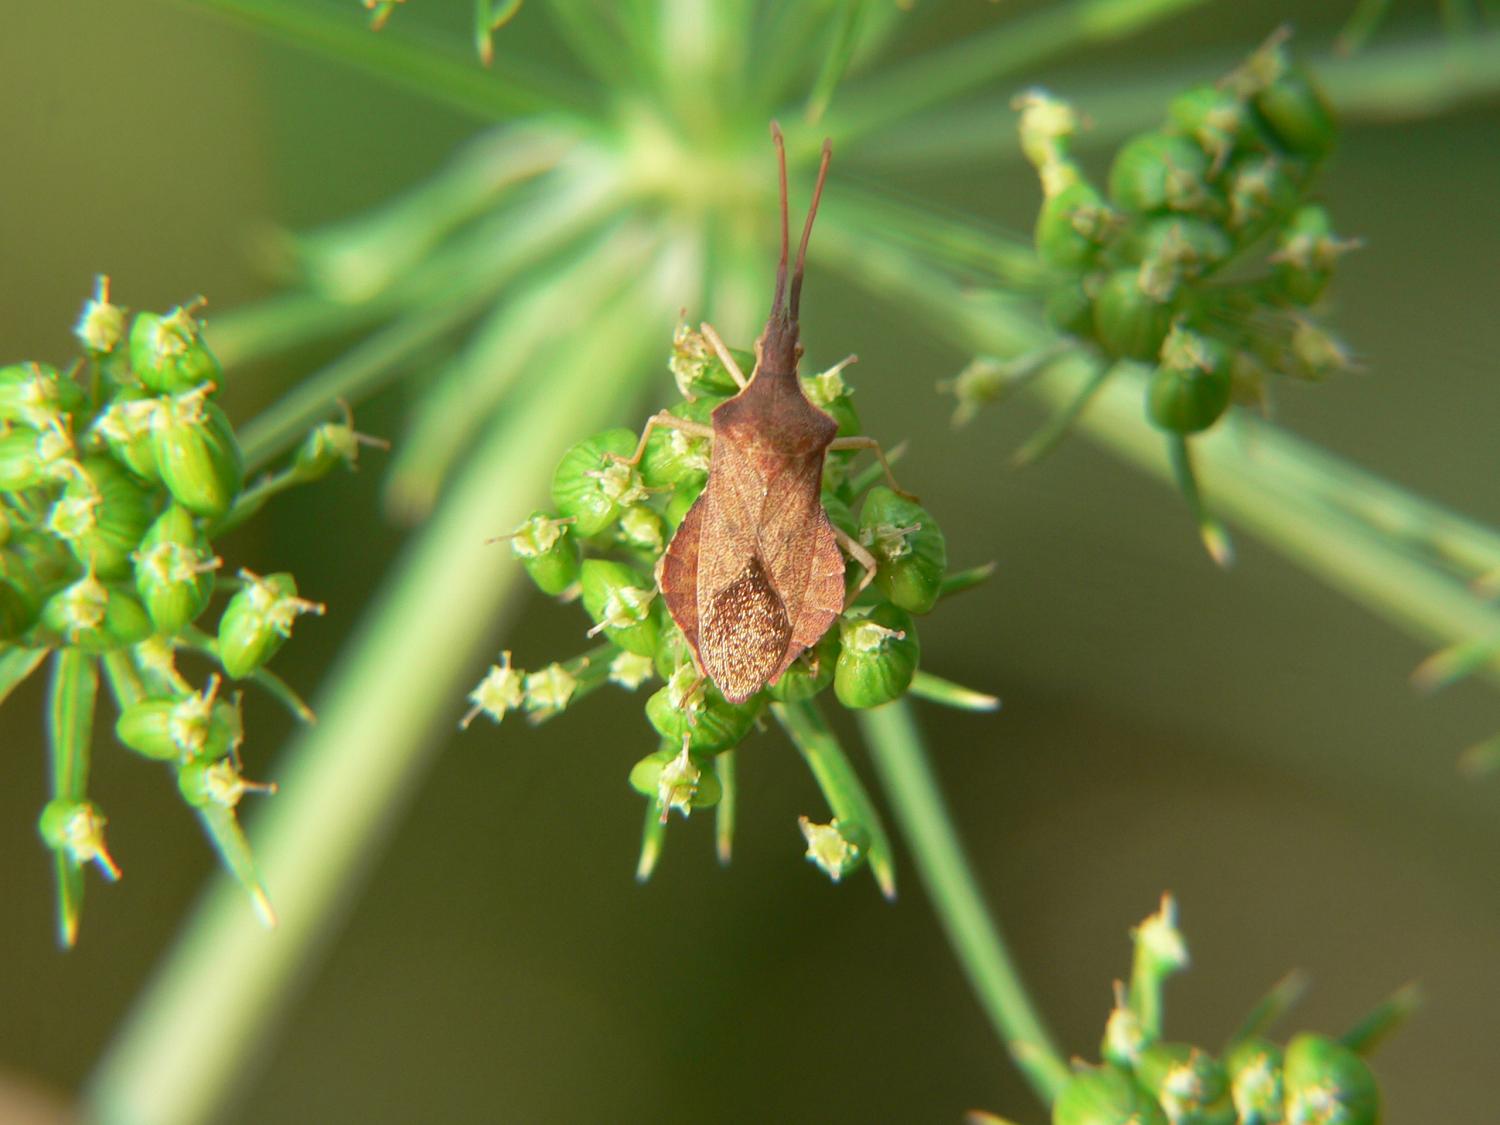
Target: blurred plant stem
[{"x": 906, "y": 776}]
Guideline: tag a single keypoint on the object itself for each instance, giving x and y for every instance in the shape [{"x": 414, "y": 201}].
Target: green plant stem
[
  {"x": 193, "y": 1034},
  {"x": 438, "y": 71},
  {"x": 912, "y": 790}
]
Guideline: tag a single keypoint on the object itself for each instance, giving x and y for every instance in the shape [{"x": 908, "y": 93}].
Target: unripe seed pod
[
  {"x": 324, "y": 449},
  {"x": 174, "y": 571},
  {"x": 1105, "y": 1096},
  {"x": 1306, "y": 250},
  {"x": 911, "y": 553},
  {"x": 1189, "y": 1084},
  {"x": 1156, "y": 171},
  {"x": 697, "y": 368},
  {"x": 683, "y": 497},
  {"x": 102, "y": 515},
  {"x": 168, "y": 354},
  {"x": 1328, "y": 1084},
  {"x": 125, "y": 427},
  {"x": 839, "y": 513},
  {"x": 1069, "y": 309},
  {"x": 810, "y": 673},
  {"x": 673, "y": 457},
  {"x": 548, "y": 551},
  {"x": 35, "y": 395},
  {"x": 29, "y": 458},
  {"x": 76, "y": 828},
  {"x": 1071, "y": 226},
  {"x": 196, "y": 453},
  {"x": 1127, "y": 321},
  {"x": 1260, "y": 190},
  {"x": 101, "y": 325},
  {"x": 878, "y": 657},
  {"x": 643, "y": 531},
  {"x": 203, "y": 783},
  {"x": 1191, "y": 389},
  {"x": 258, "y": 620},
  {"x": 621, "y": 601},
  {"x": 1296, "y": 114},
  {"x": 49, "y": 563},
  {"x": 591, "y": 487},
  {"x": 689, "y": 706},
  {"x": 1190, "y": 245},
  {"x": 1255, "y": 1082},
  {"x": 190, "y": 726},
  {"x": 94, "y": 617},
  {"x": 20, "y": 596},
  {"x": 676, "y": 781},
  {"x": 1214, "y": 118}
]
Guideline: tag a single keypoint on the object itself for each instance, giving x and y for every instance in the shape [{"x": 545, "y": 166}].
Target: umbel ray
[{"x": 754, "y": 575}]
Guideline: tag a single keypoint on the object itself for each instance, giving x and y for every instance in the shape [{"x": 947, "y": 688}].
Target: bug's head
[{"x": 779, "y": 347}]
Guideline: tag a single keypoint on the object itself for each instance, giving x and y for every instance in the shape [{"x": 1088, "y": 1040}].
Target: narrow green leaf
[
  {"x": 1368, "y": 1034},
  {"x": 935, "y": 689},
  {"x": 124, "y": 679},
  {"x": 724, "y": 811},
  {"x": 961, "y": 580},
  {"x": 1282, "y": 997},
  {"x": 70, "y": 721},
  {"x": 69, "y": 898},
  {"x": 16, "y": 664},
  {"x": 1210, "y": 530},
  {"x": 836, "y": 61},
  {"x": 653, "y": 838},
  {"x": 223, "y": 829},
  {"x": 1057, "y": 427},
  {"x": 489, "y": 17}
]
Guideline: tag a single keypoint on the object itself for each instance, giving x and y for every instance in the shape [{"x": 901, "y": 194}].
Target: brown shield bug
[{"x": 754, "y": 575}]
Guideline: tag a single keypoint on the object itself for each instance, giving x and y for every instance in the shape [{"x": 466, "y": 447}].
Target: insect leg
[
  {"x": 874, "y": 447},
  {"x": 661, "y": 419},
  {"x": 858, "y": 553},
  {"x": 724, "y": 355}
]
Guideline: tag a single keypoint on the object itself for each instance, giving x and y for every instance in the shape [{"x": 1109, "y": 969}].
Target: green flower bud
[
  {"x": 1260, "y": 190},
  {"x": 810, "y": 673},
  {"x": 1046, "y": 125},
  {"x": 832, "y": 847},
  {"x": 1306, "y": 250},
  {"x": 548, "y": 691},
  {"x": 1188, "y": 1084},
  {"x": 673, "y": 457},
  {"x": 1190, "y": 390},
  {"x": 20, "y": 596},
  {"x": 1214, "y": 118},
  {"x": 548, "y": 551},
  {"x": 190, "y": 726},
  {"x": 1072, "y": 225},
  {"x": 29, "y": 458},
  {"x": 101, "y": 515},
  {"x": 1124, "y": 1037},
  {"x": 94, "y": 617},
  {"x": 630, "y": 670},
  {"x": 620, "y": 600},
  {"x": 877, "y": 657},
  {"x": 683, "y": 498},
  {"x": 674, "y": 779},
  {"x": 35, "y": 395},
  {"x": 1105, "y": 1096},
  {"x": 692, "y": 708},
  {"x": 1328, "y": 1084},
  {"x": 1156, "y": 171},
  {"x": 1068, "y": 308},
  {"x": 101, "y": 325},
  {"x": 203, "y": 783},
  {"x": 125, "y": 428},
  {"x": 502, "y": 690},
  {"x": 168, "y": 354},
  {"x": 1128, "y": 322},
  {"x": 697, "y": 369},
  {"x": 258, "y": 620},
  {"x": 174, "y": 571},
  {"x": 1316, "y": 353},
  {"x": 196, "y": 453},
  {"x": 1255, "y": 1082},
  {"x": 910, "y": 551},
  {"x": 330, "y": 445},
  {"x": 1296, "y": 114},
  {"x": 643, "y": 530},
  {"x": 76, "y": 828},
  {"x": 591, "y": 487}
]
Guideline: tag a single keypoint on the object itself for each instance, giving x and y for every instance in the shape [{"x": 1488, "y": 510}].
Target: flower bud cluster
[
  {"x": 115, "y": 477},
  {"x": 1204, "y": 256}
]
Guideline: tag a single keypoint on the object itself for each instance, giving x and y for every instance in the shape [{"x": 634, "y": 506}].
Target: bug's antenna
[
  {"x": 812, "y": 212},
  {"x": 781, "y": 265}
]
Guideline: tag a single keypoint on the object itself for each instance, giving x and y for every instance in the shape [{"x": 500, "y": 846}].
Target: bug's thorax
[{"x": 772, "y": 416}]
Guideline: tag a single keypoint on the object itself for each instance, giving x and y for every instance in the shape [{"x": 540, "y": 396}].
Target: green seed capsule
[
  {"x": 1255, "y": 1082},
  {"x": 1156, "y": 171},
  {"x": 31, "y": 458},
  {"x": 910, "y": 551},
  {"x": 125, "y": 427},
  {"x": 683, "y": 498},
  {"x": 20, "y": 596},
  {"x": 1296, "y": 114},
  {"x": 1328, "y": 1084},
  {"x": 621, "y": 601},
  {"x": 215, "y": 783},
  {"x": 174, "y": 571},
  {"x": 697, "y": 368},
  {"x": 197, "y": 454},
  {"x": 1189, "y": 1084},
  {"x": 1192, "y": 246},
  {"x": 1214, "y": 118},
  {"x": 50, "y": 564},
  {"x": 190, "y": 726},
  {"x": 35, "y": 395},
  {"x": 548, "y": 551},
  {"x": 324, "y": 449},
  {"x": 76, "y": 828},
  {"x": 688, "y": 706},
  {"x": 810, "y": 673},
  {"x": 1306, "y": 250},
  {"x": 1072, "y": 225},
  {"x": 673, "y": 457},
  {"x": 168, "y": 354},
  {"x": 591, "y": 487},
  {"x": 1128, "y": 322},
  {"x": 1191, "y": 389},
  {"x": 1105, "y": 1096},
  {"x": 94, "y": 617},
  {"x": 675, "y": 780},
  {"x": 102, "y": 515},
  {"x": 643, "y": 531},
  {"x": 258, "y": 620},
  {"x": 1069, "y": 309},
  {"x": 877, "y": 657},
  {"x": 101, "y": 325},
  {"x": 1261, "y": 189}
]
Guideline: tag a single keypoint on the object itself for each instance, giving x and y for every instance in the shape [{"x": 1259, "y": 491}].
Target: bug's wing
[
  {"x": 802, "y": 556},
  {"x": 677, "y": 574}
]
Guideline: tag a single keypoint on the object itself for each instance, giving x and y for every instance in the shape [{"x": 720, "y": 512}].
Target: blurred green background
[{"x": 1247, "y": 740}]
